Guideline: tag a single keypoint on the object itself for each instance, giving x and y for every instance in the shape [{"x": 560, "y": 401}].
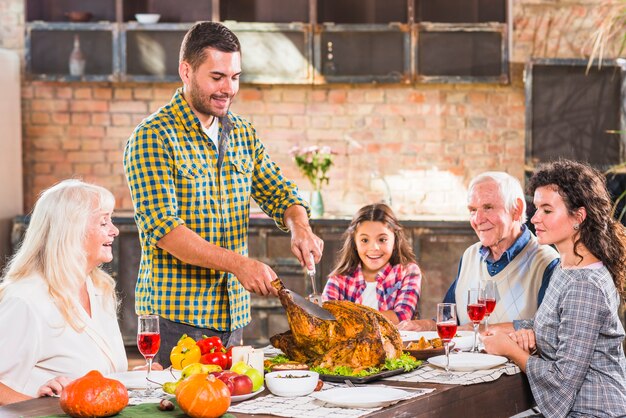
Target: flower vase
[{"x": 317, "y": 204}]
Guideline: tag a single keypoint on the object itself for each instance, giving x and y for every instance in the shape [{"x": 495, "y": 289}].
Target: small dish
[
  {"x": 427, "y": 353},
  {"x": 78, "y": 16},
  {"x": 147, "y": 18},
  {"x": 292, "y": 383}
]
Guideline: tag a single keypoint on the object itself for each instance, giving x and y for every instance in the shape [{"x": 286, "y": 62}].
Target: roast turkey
[{"x": 360, "y": 337}]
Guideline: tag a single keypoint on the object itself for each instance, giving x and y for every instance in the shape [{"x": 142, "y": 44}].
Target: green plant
[
  {"x": 611, "y": 34},
  {"x": 314, "y": 162},
  {"x": 610, "y": 31}
]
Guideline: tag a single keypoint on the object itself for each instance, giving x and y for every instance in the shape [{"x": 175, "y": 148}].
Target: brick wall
[{"x": 426, "y": 141}]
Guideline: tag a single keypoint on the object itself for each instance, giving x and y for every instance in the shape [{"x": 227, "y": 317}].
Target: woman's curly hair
[{"x": 582, "y": 186}]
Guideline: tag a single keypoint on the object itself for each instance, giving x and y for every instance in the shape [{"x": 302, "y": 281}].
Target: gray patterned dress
[{"x": 581, "y": 370}]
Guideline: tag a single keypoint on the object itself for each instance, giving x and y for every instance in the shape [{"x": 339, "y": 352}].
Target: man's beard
[{"x": 201, "y": 103}]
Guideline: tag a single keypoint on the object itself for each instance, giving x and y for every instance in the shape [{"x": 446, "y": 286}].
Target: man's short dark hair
[{"x": 207, "y": 35}]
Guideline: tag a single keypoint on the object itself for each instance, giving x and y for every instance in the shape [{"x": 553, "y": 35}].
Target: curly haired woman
[{"x": 581, "y": 368}]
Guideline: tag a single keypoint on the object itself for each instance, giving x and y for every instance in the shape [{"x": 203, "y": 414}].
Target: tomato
[
  {"x": 208, "y": 344},
  {"x": 217, "y": 357},
  {"x": 182, "y": 356}
]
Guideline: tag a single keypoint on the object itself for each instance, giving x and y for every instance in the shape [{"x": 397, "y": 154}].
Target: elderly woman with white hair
[{"x": 58, "y": 308}]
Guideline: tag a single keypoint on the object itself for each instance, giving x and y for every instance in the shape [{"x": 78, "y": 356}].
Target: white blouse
[
  {"x": 368, "y": 297},
  {"x": 36, "y": 344}
]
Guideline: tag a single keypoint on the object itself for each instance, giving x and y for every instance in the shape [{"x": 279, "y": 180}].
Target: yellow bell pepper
[
  {"x": 186, "y": 341},
  {"x": 182, "y": 356}
]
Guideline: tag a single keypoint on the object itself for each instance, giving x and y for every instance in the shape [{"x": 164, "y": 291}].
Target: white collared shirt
[
  {"x": 213, "y": 133},
  {"x": 37, "y": 345}
]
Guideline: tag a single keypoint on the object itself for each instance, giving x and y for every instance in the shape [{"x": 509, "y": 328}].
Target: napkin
[{"x": 146, "y": 410}]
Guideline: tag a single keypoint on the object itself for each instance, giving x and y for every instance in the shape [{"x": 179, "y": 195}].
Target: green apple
[{"x": 256, "y": 377}]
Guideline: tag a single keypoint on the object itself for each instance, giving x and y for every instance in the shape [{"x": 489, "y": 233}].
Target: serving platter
[{"x": 360, "y": 379}]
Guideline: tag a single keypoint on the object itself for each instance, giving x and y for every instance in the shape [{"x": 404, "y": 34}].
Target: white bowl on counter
[
  {"x": 147, "y": 17},
  {"x": 292, "y": 383}
]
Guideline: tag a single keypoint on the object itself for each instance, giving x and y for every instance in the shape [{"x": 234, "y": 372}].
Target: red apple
[
  {"x": 225, "y": 377},
  {"x": 242, "y": 385}
]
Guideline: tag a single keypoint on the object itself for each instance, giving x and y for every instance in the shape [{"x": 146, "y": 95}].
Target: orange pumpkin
[
  {"x": 203, "y": 396},
  {"x": 93, "y": 396}
]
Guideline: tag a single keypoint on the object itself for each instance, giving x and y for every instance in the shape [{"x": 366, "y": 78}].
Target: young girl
[{"x": 377, "y": 266}]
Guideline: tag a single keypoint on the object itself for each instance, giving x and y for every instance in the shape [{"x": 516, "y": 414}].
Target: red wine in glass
[
  {"x": 491, "y": 305},
  {"x": 149, "y": 343},
  {"x": 446, "y": 330},
  {"x": 476, "y": 311},
  {"x": 490, "y": 293}
]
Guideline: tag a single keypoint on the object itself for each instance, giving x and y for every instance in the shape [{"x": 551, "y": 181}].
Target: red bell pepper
[
  {"x": 229, "y": 357},
  {"x": 218, "y": 358},
  {"x": 209, "y": 344}
]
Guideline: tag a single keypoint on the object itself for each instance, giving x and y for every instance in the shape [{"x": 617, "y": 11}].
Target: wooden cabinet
[
  {"x": 438, "y": 246},
  {"x": 286, "y": 41}
]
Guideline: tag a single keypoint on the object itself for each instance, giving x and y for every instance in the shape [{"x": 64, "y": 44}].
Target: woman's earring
[{"x": 576, "y": 227}]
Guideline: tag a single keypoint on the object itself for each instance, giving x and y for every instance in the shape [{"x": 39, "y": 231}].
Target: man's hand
[
  {"x": 256, "y": 277},
  {"x": 417, "y": 325},
  {"x": 53, "y": 386},
  {"x": 304, "y": 242}
]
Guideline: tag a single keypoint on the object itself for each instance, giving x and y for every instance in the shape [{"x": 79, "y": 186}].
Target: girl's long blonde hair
[{"x": 54, "y": 246}]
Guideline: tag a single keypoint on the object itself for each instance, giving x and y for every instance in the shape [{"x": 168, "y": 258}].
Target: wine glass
[
  {"x": 490, "y": 292},
  {"x": 476, "y": 310},
  {"x": 446, "y": 328},
  {"x": 148, "y": 341}
]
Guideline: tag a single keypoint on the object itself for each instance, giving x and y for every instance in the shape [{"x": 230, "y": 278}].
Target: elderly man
[{"x": 507, "y": 253}]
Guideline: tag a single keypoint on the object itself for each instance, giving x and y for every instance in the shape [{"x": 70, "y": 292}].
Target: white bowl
[
  {"x": 292, "y": 383},
  {"x": 147, "y": 17}
]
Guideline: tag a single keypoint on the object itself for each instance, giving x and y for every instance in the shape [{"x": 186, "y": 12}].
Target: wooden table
[{"x": 504, "y": 397}]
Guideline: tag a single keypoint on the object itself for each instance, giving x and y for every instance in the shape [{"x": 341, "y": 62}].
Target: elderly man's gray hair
[{"x": 509, "y": 187}]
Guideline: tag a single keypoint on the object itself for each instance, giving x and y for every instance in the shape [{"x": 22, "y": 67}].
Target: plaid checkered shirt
[
  {"x": 177, "y": 177},
  {"x": 398, "y": 288},
  {"x": 581, "y": 370}
]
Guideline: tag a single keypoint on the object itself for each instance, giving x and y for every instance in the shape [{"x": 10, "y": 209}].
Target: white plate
[
  {"x": 361, "y": 397},
  {"x": 239, "y": 398},
  {"x": 136, "y": 379},
  {"x": 464, "y": 341},
  {"x": 468, "y": 362}
]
